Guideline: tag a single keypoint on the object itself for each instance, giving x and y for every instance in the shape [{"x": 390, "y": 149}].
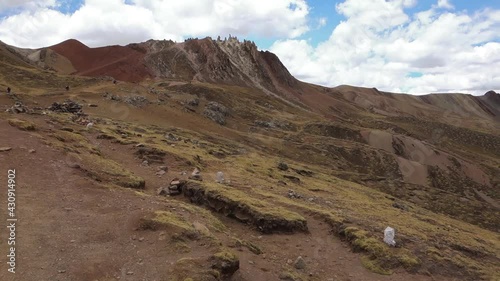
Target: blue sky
[{"x": 415, "y": 46}]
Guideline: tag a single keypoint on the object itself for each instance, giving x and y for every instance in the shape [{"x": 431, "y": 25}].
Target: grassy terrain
[{"x": 256, "y": 190}]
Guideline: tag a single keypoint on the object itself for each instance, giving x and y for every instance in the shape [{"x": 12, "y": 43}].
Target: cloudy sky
[{"x": 413, "y": 46}]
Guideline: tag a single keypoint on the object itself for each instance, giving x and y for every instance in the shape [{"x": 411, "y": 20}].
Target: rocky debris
[
  {"x": 292, "y": 179},
  {"x": 282, "y": 166},
  {"x": 216, "y": 112},
  {"x": 217, "y": 153},
  {"x": 400, "y": 206},
  {"x": 68, "y": 106},
  {"x": 112, "y": 97},
  {"x": 219, "y": 177},
  {"x": 300, "y": 263},
  {"x": 137, "y": 101},
  {"x": 171, "y": 137},
  {"x": 18, "y": 107},
  {"x": 5, "y": 149},
  {"x": 293, "y": 195},
  {"x": 274, "y": 124},
  {"x": 305, "y": 173},
  {"x": 163, "y": 168},
  {"x": 226, "y": 263},
  {"x": 194, "y": 102},
  {"x": 31, "y": 151},
  {"x": 174, "y": 188},
  {"x": 195, "y": 175},
  {"x": 81, "y": 118},
  {"x": 160, "y": 173}
]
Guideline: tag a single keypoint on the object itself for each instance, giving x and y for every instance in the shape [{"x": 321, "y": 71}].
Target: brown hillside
[{"x": 122, "y": 63}]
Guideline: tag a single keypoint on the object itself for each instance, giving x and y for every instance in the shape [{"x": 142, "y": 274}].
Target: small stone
[
  {"x": 139, "y": 145},
  {"x": 74, "y": 165},
  {"x": 62, "y": 271},
  {"x": 219, "y": 177},
  {"x": 283, "y": 166},
  {"x": 5, "y": 149},
  {"x": 145, "y": 163},
  {"x": 300, "y": 263},
  {"x": 251, "y": 262},
  {"x": 163, "y": 168},
  {"x": 141, "y": 239},
  {"x": 160, "y": 173},
  {"x": 130, "y": 273}
]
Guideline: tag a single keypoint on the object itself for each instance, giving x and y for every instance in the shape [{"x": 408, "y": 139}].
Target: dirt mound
[{"x": 119, "y": 62}]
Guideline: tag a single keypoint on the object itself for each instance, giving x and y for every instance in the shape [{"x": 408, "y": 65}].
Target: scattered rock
[
  {"x": 293, "y": 195},
  {"x": 160, "y": 173},
  {"x": 18, "y": 107},
  {"x": 61, "y": 271},
  {"x": 32, "y": 151},
  {"x": 282, "y": 183},
  {"x": 219, "y": 178},
  {"x": 194, "y": 102},
  {"x": 216, "y": 112},
  {"x": 171, "y": 137},
  {"x": 401, "y": 206},
  {"x": 299, "y": 263},
  {"x": 163, "y": 191},
  {"x": 283, "y": 166},
  {"x": 163, "y": 168},
  {"x": 176, "y": 186},
  {"x": 137, "y": 101},
  {"x": 292, "y": 179},
  {"x": 67, "y": 106},
  {"x": 5, "y": 149},
  {"x": 304, "y": 172},
  {"x": 139, "y": 145},
  {"x": 195, "y": 175},
  {"x": 219, "y": 154}
]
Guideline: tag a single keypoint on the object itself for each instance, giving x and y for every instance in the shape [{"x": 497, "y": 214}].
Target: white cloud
[
  {"x": 445, "y": 4},
  {"x": 25, "y": 4},
  {"x": 380, "y": 45},
  {"x": 117, "y": 22}
]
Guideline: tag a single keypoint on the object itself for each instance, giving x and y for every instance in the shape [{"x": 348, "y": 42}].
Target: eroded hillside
[{"x": 308, "y": 171}]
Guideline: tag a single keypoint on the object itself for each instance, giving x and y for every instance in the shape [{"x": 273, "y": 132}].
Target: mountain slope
[{"x": 326, "y": 164}]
